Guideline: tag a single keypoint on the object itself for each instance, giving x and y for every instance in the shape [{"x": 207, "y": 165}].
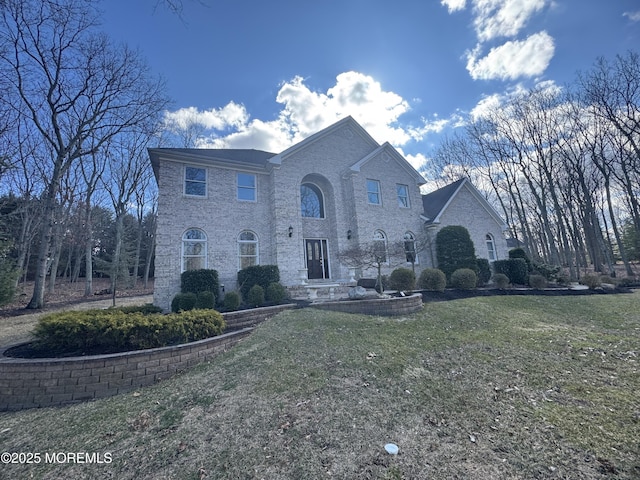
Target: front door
[{"x": 317, "y": 258}]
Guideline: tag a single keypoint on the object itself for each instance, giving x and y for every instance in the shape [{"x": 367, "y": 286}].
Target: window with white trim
[
  {"x": 247, "y": 249},
  {"x": 491, "y": 247},
  {"x": 195, "y": 181},
  {"x": 246, "y": 187},
  {"x": 194, "y": 250},
  {"x": 311, "y": 201},
  {"x": 403, "y": 195},
  {"x": 373, "y": 192}
]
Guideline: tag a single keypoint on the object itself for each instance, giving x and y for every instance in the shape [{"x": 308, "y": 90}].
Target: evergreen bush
[
  {"x": 500, "y": 280},
  {"x": 514, "y": 268},
  {"x": 432, "y": 279},
  {"x": 519, "y": 252},
  {"x": 275, "y": 293},
  {"x": 183, "y": 302},
  {"x": 255, "y": 296},
  {"x": 464, "y": 279},
  {"x": 231, "y": 301},
  {"x": 455, "y": 250},
  {"x": 196, "y": 281},
  {"x": 112, "y": 330},
  {"x": 205, "y": 300},
  {"x": 484, "y": 271},
  {"x": 402, "y": 279},
  {"x": 262, "y": 275},
  {"x": 537, "y": 282}
]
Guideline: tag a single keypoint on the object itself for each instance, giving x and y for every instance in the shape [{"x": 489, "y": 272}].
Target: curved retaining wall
[
  {"x": 376, "y": 306},
  {"x": 29, "y": 383}
]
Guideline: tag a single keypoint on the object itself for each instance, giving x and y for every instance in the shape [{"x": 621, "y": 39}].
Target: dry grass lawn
[{"x": 483, "y": 388}]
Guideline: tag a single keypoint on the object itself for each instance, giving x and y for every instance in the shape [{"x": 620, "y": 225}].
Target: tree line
[
  {"x": 77, "y": 113},
  {"x": 562, "y": 165}
]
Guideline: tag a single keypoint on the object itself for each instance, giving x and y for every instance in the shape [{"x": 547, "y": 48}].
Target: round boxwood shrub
[
  {"x": 275, "y": 293},
  {"x": 255, "y": 297},
  {"x": 402, "y": 279},
  {"x": 537, "y": 281},
  {"x": 205, "y": 299},
  {"x": 432, "y": 279},
  {"x": 183, "y": 302},
  {"x": 500, "y": 280},
  {"x": 464, "y": 279},
  {"x": 231, "y": 301}
]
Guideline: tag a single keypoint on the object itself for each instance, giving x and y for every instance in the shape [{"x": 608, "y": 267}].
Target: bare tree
[
  {"x": 73, "y": 85},
  {"x": 374, "y": 255}
]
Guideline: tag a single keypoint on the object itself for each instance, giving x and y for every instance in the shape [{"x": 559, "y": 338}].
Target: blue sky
[{"x": 256, "y": 74}]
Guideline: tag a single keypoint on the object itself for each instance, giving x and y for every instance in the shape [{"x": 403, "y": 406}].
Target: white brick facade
[{"x": 337, "y": 161}]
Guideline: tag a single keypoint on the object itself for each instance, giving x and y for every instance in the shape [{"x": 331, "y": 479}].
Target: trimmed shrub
[
  {"x": 514, "y": 268},
  {"x": 183, "y": 302},
  {"x": 112, "y": 330},
  {"x": 432, "y": 279},
  {"x": 609, "y": 279},
  {"x": 402, "y": 279},
  {"x": 275, "y": 293},
  {"x": 205, "y": 300},
  {"x": 255, "y": 296},
  {"x": 500, "y": 280},
  {"x": 519, "y": 252},
  {"x": 455, "y": 250},
  {"x": 484, "y": 271},
  {"x": 550, "y": 272},
  {"x": 537, "y": 282},
  {"x": 145, "y": 309},
  {"x": 196, "y": 281},
  {"x": 464, "y": 279},
  {"x": 231, "y": 301},
  {"x": 591, "y": 281},
  {"x": 263, "y": 275}
]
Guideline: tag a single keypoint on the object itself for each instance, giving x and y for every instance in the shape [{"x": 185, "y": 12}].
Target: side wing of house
[{"x": 462, "y": 204}]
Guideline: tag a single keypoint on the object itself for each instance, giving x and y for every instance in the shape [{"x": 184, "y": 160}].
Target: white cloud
[
  {"x": 231, "y": 115},
  {"x": 305, "y": 112},
  {"x": 503, "y": 18},
  {"x": 454, "y": 5},
  {"x": 633, "y": 16},
  {"x": 514, "y": 59}
]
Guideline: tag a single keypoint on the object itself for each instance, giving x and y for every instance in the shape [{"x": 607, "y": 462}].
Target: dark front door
[{"x": 317, "y": 259}]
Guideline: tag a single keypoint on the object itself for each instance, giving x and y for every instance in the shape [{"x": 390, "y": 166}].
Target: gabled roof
[
  {"x": 346, "y": 121},
  {"x": 387, "y": 148},
  {"x": 435, "y": 203},
  {"x": 248, "y": 158}
]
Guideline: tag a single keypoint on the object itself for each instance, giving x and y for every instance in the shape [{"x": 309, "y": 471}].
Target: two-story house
[{"x": 227, "y": 209}]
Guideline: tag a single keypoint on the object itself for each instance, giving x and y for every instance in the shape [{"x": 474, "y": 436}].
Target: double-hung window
[
  {"x": 403, "y": 195},
  {"x": 373, "y": 192},
  {"x": 246, "y": 187},
  {"x": 195, "y": 181}
]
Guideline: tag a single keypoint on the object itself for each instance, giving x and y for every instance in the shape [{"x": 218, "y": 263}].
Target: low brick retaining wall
[
  {"x": 29, "y": 383},
  {"x": 376, "y": 306}
]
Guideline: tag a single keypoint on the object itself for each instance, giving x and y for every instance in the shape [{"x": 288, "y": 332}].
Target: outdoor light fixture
[
  {"x": 290, "y": 231},
  {"x": 348, "y": 234}
]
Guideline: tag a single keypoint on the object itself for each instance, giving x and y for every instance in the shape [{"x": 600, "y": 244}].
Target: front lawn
[{"x": 487, "y": 387}]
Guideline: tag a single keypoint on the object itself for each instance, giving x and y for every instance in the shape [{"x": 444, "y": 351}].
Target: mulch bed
[{"x": 455, "y": 294}]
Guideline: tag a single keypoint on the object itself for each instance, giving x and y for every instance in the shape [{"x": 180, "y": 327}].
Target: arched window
[
  {"x": 194, "y": 250},
  {"x": 311, "y": 201},
  {"x": 380, "y": 246},
  {"x": 410, "y": 248},
  {"x": 247, "y": 249},
  {"x": 491, "y": 247}
]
